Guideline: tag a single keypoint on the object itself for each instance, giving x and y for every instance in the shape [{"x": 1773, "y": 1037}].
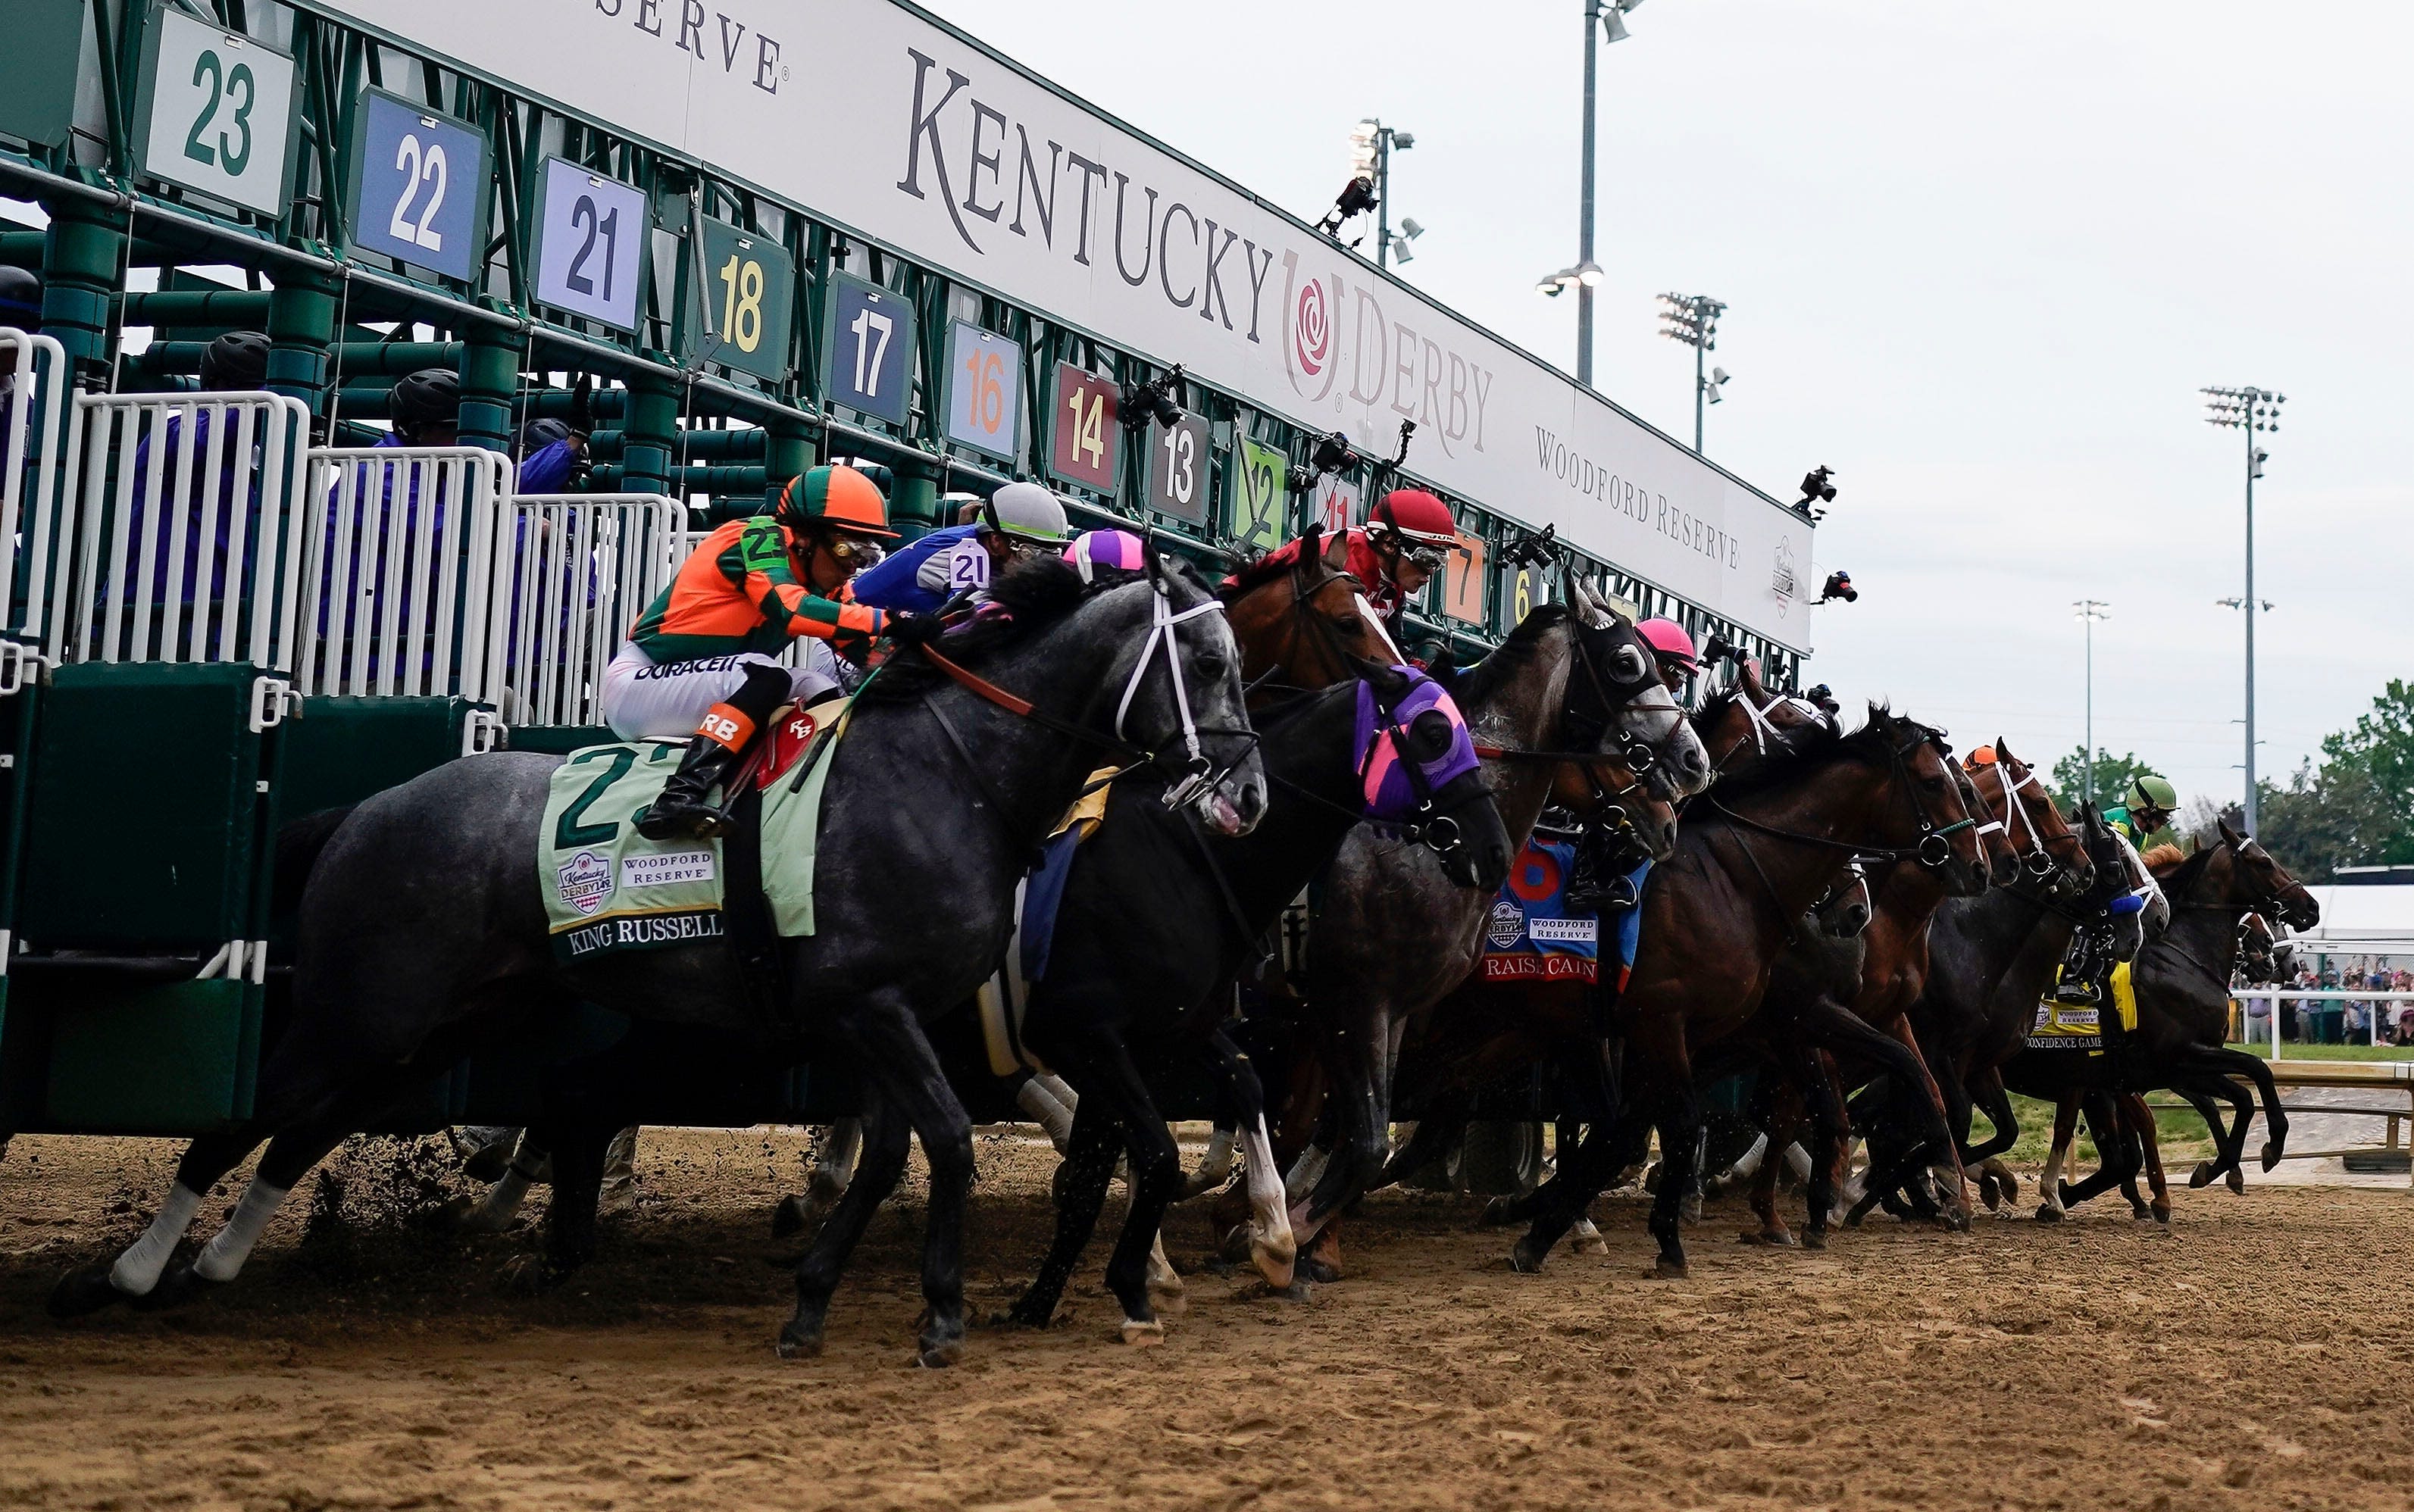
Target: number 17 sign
[
  {"x": 984, "y": 391},
  {"x": 869, "y": 348}
]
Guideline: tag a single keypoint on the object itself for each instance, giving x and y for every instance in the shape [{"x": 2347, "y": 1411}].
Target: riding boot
[
  {"x": 2082, "y": 972},
  {"x": 684, "y": 809}
]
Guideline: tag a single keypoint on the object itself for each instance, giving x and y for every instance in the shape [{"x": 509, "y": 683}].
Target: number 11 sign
[{"x": 868, "y": 348}]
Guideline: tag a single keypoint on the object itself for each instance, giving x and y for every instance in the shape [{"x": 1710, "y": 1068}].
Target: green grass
[
  {"x": 2329, "y": 1052},
  {"x": 2182, "y": 1134}
]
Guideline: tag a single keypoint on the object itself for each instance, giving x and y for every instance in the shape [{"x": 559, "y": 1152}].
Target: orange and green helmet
[{"x": 837, "y": 497}]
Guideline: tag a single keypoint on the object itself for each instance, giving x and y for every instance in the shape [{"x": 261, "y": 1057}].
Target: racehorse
[
  {"x": 1393, "y": 934},
  {"x": 2181, "y": 981},
  {"x": 421, "y": 921},
  {"x": 1752, "y": 857}
]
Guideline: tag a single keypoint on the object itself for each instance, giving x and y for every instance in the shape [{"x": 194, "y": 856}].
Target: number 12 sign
[
  {"x": 984, "y": 391},
  {"x": 869, "y": 347},
  {"x": 419, "y": 186},
  {"x": 590, "y": 244}
]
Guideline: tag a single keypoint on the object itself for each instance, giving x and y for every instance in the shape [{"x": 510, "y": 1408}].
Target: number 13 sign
[
  {"x": 419, "y": 186},
  {"x": 984, "y": 391}
]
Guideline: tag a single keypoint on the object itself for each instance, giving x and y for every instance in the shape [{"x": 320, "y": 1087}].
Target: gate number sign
[
  {"x": 217, "y": 113},
  {"x": 590, "y": 244},
  {"x": 1085, "y": 434},
  {"x": 1178, "y": 469},
  {"x": 984, "y": 391},
  {"x": 1260, "y": 505},
  {"x": 748, "y": 284},
  {"x": 419, "y": 186},
  {"x": 869, "y": 349}
]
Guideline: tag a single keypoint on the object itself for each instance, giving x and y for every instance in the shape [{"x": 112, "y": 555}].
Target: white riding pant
[{"x": 643, "y": 701}]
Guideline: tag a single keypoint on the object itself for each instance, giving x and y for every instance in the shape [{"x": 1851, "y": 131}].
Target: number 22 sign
[
  {"x": 419, "y": 186},
  {"x": 984, "y": 391},
  {"x": 590, "y": 244},
  {"x": 217, "y": 112}
]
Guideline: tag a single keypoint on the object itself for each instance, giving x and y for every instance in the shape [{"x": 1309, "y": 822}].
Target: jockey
[
  {"x": 701, "y": 659},
  {"x": 1674, "y": 650},
  {"x": 1396, "y": 552},
  {"x": 960, "y": 558},
  {"x": 2145, "y": 807},
  {"x": 1094, "y": 548}
]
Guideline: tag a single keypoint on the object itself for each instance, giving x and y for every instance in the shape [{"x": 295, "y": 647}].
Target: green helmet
[
  {"x": 1028, "y": 513},
  {"x": 2150, "y": 791}
]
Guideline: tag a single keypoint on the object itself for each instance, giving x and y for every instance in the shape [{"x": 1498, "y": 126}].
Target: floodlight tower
[
  {"x": 1693, "y": 320},
  {"x": 2091, "y": 610},
  {"x": 2252, "y": 411}
]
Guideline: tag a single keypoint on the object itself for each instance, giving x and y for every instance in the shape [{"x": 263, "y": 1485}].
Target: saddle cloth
[
  {"x": 1003, "y": 997},
  {"x": 1530, "y": 935},
  {"x": 607, "y": 888},
  {"x": 2069, "y": 1026}
]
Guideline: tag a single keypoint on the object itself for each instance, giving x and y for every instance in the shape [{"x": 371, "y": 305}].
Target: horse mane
[
  {"x": 2182, "y": 876},
  {"x": 1254, "y": 575},
  {"x": 2162, "y": 857},
  {"x": 1033, "y": 591},
  {"x": 1714, "y": 707},
  {"x": 1478, "y": 683},
  {"x": 1809, "y": 750}
]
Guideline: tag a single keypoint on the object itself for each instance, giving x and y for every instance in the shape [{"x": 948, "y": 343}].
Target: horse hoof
[
  {"x": 1499, "y": 1213},
  {"x": 2236, "y": 1181},
  {"x": 938, "y": 1354},
  {"x": 1664, "y": 1269},
  {"x": 797, "y": 1342},
  {"x": 1276, "y": 1263},
  {"x": 2048, "y": 1215},
  {"x": 178, "y": 1285},
  {"x": 1593, "y": 1245},
  {"x": 1320, "y": 1272},
  {"x": 1237, "y": 1244},
  {"x": 1690, "y": 1209},
  {"x": 487, "y": 1162},
  {"x": 1766, "y": 1238},
  {"x": 81, "y": 1293},
  {"x": 790, "y": 1217},
  {"x": 1989, "y": 1193},
  {"x": 1523, "y": 1261},
  {"x": 1142, "y": 1335},
  {"x": 2271, "y": 1157},
  {"x": 527, "y": 1275},
  {"x": 1814, "y": 1240},
  {"x": 2201, "y": 1175},
  {"x": 1853, "y": 1218}
]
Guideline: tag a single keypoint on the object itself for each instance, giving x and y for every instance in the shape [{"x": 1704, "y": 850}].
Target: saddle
[{"x": 1003, "y": 998}]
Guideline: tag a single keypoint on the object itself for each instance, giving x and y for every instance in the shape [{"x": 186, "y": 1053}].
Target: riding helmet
[
  {"x": 235, "y": 362},
  {"x": 1417, "y": 515},
  {"x": 431, "y": 396},
  {"x": 1117, "y": 549},
  {"x": 837, "y": 497},
  {"x": 1668, "y": 639},
  {"x": 1028, "y": 513},
  {"x": 20, "y": 299},
  {"x": 2151, "y": 791}
]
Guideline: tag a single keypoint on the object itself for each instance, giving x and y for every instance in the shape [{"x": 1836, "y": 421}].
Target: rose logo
[{"x": 1311, "y": 329}]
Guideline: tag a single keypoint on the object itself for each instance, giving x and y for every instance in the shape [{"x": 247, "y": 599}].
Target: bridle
[
  {"x": 1934, "y": 847},
  {"x": 2037, "y": 859},
  {"x": 1198, "y": 774},
  {"x": 1433, "y": 825}
]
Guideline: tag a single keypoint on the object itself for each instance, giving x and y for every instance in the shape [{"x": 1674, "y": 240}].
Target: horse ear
[
  {"x": 2003, "y": 751},
  {"x": 2236, "y": 840},
  {"x": 1336, "y": 552},
  {"x": 1749, "y": 679},
  {"x": 1311, "y": 541}
]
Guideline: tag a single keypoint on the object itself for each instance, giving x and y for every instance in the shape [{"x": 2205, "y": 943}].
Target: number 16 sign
[{"x": 984, "y": 391}]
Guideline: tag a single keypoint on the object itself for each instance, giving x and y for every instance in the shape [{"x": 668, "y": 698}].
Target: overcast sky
[{"x": 1979, "y": 259}]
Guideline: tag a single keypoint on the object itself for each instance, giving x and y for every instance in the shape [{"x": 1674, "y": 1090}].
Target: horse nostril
[{"x": 1253, "y": 803}]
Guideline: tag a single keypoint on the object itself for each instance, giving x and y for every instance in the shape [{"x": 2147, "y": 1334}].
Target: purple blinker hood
[{"x": 1382, "y": 767}]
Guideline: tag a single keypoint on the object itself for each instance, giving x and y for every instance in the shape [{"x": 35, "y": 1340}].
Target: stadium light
[{"x": 2253, "y": 411}]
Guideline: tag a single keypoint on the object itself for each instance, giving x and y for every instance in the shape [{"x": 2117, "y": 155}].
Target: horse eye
[
  {"x": 1428, "y": 735},
  {"x": 1628, "y": 665},
  {"x": 1212, "y": 663}
]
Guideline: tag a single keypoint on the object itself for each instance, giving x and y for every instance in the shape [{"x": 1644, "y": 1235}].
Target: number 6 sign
[
  {"x": 419, "y": 186},
  {"x": 984, "y": 391}
]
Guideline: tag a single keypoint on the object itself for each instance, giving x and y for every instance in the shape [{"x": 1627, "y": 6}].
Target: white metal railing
[
  {"x": 398, "y": 546},
  {"x": 33, "y": 370},
  {"x": 573, "y": 572},
  {"x": 175, "y": 511},
  {"x": 2245, "y": 998}
]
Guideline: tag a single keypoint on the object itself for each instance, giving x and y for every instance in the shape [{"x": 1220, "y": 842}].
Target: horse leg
[
  {"x": 2229, "y": 1136},
  {"x": 1656, "y": 1048},
  {"x": 2065, "y": 1133},
  {"x": 1090, "y": 1155},
  {"x": 2223, "y": 1061},
  {"x": 1442, "y": 1124},
  {"x": 1784, "y": 1124},
  {"x": 1947, "y": 1166},
  {"x": 1155, "y": 1173},
  {"x": 2159, "y": 1209},
  {"x": 841, "y": 1144},
  {"x": 1835, "y": 1028},
  {"x": 2117, "y": 1145},
  {"x": 1823, "y": 1103},
  {"x": 887, "y": 1139},
  {"x": 579, "y": 1159}
]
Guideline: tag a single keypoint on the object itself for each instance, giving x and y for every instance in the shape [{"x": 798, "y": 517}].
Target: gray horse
[
  {"x": 1394, "y": 935},
  {"x": 422, "y": 924}
]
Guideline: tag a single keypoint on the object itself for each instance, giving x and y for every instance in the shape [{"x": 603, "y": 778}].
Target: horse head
[
  {"x": 1994, "y": 836},
  {"x": 1845, "y": 912},
  {"x": 1617, "y": 683},
  {"x": 2256, "y": 879},
  {"x": 2033, "y": 822},
  {"x": 1175, "y": 686},
  {"x": 1607, "y": 792},
  {"x": 1308, "y": 619},
  {"x": 1748, "y": 720},
  {"x": 2122, "y": 886},
  {"x": 1932, "y": 819},
  {"x": 1419, "y": 770}
]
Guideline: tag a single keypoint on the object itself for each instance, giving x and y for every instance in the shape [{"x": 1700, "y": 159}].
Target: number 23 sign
[
  {"x": 984, "y": 391},
  {"x": 217, "y": 113}
]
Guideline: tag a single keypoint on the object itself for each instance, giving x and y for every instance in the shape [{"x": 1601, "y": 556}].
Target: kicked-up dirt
[{"x": 2256, "y": 1356}]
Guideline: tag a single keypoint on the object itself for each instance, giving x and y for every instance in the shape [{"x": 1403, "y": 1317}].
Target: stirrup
[
  {"x": 697, "y": 820},
  {"x": 2082, "y": 994}
]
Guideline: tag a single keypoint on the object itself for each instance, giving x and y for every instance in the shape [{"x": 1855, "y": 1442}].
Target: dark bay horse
[
  {"x": 1752, "y": 858},
  {"x": 1393, "y": 934},
  {"x": 422, "y": 922}
]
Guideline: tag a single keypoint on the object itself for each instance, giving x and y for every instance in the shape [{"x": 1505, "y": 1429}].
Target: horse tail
[{"x": 299, "y": 843}]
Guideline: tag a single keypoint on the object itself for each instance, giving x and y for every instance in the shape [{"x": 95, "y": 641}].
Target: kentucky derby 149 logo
[
  {"x": 1311, "y": 328},
  {"x": 584, "y": 881},
  {"x": 1507, "y": 925}
]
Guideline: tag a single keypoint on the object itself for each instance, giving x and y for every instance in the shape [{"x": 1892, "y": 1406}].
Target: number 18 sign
[
  {"x": 984, "y": 391},
  {"x": 590, "y": 244},
  {"x": 869, "y": 348}
]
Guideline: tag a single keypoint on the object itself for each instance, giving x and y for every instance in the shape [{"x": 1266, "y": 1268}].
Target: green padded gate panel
[
  {"x": 20, "y": 1075},
  {"x": 144, "y": 809},
  {"x": 343, "y": 749},
  {"x": 174, "y": 1058}
]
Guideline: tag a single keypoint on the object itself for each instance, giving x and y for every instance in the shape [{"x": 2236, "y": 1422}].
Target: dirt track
[{"x": 2255, "y": 1356}]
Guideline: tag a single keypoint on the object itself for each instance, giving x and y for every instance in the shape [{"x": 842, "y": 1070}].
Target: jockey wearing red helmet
[{"x": 1396, "y": 552}]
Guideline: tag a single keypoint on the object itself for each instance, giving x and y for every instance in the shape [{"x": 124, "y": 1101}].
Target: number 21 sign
[
  {"x": 419, "y": 186},
  {"x": 1085, "y": 440},
  {"x": 984, "y": 391},
  {"x": 589, "y": 249}
]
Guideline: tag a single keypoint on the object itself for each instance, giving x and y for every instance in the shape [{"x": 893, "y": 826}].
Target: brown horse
[{"x": 1750, "y": 860}]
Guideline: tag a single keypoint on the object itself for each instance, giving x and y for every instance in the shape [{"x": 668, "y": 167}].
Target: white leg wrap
[
  {"x": 1746, "y": 1165},
  {"x": 1797, "y": 1159},
  {"x": 138, "y": 1270},
  {"x": 1053, "y": 1115},
  {"x": 1163, "y": 1279},
  {"x": 2050, "y": 1180},
  {"x": 225, "y": 1254},
  {"x": 1270, "y": 1224},
  {"x": 502, "y": 1201}
]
